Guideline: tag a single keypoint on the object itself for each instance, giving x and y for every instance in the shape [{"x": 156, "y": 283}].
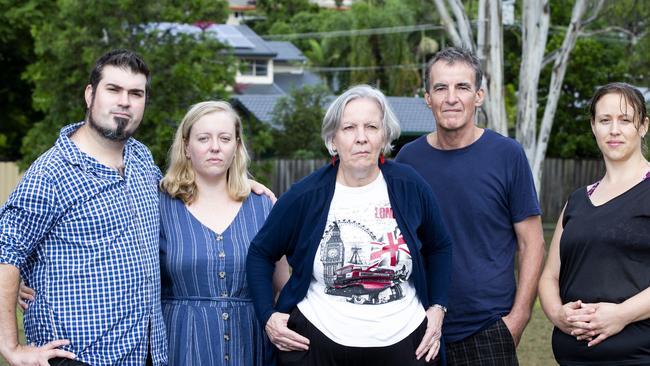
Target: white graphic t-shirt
[{"x": 360, "y": 294}]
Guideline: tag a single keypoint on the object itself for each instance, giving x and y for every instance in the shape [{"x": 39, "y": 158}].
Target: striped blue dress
[{"x": 206, "y": 304}]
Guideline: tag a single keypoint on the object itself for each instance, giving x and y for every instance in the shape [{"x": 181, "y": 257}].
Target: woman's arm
[
  {"x": 436, "y": 253},
  {"x": 607, "y": 319},
  {"x": 549, "y": 287},
  {"x": 436, "y": 249},
  {"x": 280, "y": 276}
]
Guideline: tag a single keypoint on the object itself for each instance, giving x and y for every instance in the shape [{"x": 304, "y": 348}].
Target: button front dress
[{"x": 206, "y": 304}]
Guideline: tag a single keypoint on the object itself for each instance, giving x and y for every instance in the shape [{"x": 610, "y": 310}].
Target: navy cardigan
[{"x": 295, "y": 228}]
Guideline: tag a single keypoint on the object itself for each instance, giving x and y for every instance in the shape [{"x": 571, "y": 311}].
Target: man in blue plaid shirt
[{"x": 81, "y": 228}]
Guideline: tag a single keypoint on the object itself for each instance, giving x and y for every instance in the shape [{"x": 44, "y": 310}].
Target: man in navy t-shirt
[{"x": 487, "y": 196}]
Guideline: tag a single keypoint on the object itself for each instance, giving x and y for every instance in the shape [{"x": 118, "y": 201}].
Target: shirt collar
[{"x": 75, "y": 156}]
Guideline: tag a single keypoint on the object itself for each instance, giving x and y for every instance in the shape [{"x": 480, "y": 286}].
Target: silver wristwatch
[{"x": 438, "y": 306}]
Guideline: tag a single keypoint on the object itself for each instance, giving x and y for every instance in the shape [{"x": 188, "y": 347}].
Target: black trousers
[
  {"x": 492, "y": 346},
  {"x": 324, "y": 352},
  {"x": 59, "y": 361}
]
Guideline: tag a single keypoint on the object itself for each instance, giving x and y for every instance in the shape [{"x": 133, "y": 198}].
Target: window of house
[{"x": 255, "y": 67}]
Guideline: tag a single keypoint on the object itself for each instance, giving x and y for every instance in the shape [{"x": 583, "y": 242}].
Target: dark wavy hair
[{"x": 122, "y": 58}]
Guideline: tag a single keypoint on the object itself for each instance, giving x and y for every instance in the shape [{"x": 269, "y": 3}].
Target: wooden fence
[
  {"x": 9, "y": 177},
  {"x": 286, "y": 172},
  {"x": 563, "y": 176},
  {"x": 560, "y": 178}
]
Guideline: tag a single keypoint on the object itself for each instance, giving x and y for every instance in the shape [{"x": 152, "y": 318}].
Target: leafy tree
[
  {"x": 185, "y": 69},
  {"x": 593, "y": 63},
  {"x": 259, "y": 142},
  {"x": 16, "y": 51},
  {"x": 385, "y": 60},
  {"x": 279, "y": 11},
  {"x": 299, "y": 117},
  {"x": 392, "y": 50}
]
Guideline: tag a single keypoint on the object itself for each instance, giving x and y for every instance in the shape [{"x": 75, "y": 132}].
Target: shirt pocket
[{"x": 94, "y": 222}]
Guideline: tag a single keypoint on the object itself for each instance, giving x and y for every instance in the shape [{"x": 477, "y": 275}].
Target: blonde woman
[{"x": 208, "y": 219}]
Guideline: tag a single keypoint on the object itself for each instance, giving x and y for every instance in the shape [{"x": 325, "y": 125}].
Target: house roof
[
  {"x": 286, "y": 51},
  {"x": 260, "y": 106},
  {"x": 283, "y": 83},
  {"x": 260, "y": 47},
  {"x": 242, "y": 39},
  {"x": 241, "y": 4},
  {"x": 413, "y": 114}
]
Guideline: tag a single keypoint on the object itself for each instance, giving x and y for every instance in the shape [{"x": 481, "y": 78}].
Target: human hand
[
  {"x": 430, "y": 344},
  {"x": 516, "y": 323},
  {"x": 260, "y": 189},
  {"x": 25, "y": 294},
  {"x": 283, "y": 337},
  {"x": 603, "y": 321},
  {"x": 22, "y": 355},
  {"x": 561, "y": 316}
]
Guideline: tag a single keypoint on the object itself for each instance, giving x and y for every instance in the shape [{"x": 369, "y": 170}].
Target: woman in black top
[{"x": 594, "y": 288}]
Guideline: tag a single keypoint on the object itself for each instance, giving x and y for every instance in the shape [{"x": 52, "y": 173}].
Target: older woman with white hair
[{"x": 369, "y": 251}]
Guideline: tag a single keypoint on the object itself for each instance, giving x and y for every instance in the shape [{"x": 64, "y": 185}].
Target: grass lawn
[
  {"x": 21, "y": 334},
  {"x": 535, "y": 346}
]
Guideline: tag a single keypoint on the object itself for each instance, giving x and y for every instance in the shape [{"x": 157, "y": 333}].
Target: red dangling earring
[
  {"x": 334, "y": 160},
  {"x": 382, "y": 160}
]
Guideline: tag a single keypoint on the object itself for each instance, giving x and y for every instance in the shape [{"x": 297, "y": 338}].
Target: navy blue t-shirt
[{"x": 482, "y": 190}]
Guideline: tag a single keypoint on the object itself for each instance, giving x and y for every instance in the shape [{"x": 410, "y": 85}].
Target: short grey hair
[
  {"x": 332, "y": 119},
  {"x": 451, "y": 55}
]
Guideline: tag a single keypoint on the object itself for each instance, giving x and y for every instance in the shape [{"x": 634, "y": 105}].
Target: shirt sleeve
[
  {"x": 437, "y": 249},
  {"x": 522, "y": 196},
  {"x": 26, "y": 218},
  {"x": 268, "y": 246}
]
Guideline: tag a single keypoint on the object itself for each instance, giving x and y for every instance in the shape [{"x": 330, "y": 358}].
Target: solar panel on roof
[{"x": 231, "y": 35}]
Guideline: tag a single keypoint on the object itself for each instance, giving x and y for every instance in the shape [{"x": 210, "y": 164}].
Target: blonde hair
[{"x": 179, "y": 181}]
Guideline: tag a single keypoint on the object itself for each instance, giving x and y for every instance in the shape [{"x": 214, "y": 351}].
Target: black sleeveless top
[{"x": 605, "y": 257}]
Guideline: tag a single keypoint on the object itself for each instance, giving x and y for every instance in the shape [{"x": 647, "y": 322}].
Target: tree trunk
[
  {"x": 481, "y": 28},
  {"x": 496, "y": 109},
  {"x": 555, "y": 88},
  {"x": 464, "y": 27},
  {"x": 535, "y": 24},
  {"x": 448, "y": 22}
]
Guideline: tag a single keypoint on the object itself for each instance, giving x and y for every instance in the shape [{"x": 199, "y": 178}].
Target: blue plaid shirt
[{"x": 86, "y": 239}]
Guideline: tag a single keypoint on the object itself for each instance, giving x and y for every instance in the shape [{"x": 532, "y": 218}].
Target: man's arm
[
  {"x": 9, "y": 282},
  {"x": 10, "y": 349},
  {"x": 24, "y": 220},
  {"x": 530, "y": 252}
]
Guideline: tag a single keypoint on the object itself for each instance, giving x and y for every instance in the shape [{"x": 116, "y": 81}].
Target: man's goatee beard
[{"x": 118, "y": 134}]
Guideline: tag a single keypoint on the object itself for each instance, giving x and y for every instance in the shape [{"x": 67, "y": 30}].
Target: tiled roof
[
  {"x": 261, "y": 48},
  {"x": 413, "y": 114},
  {"x": 286, "y": 51},
  {"x": 258, "y": 105}
]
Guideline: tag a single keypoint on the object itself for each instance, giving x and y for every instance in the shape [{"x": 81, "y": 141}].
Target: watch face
[{"x": 333, "y": 253}]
